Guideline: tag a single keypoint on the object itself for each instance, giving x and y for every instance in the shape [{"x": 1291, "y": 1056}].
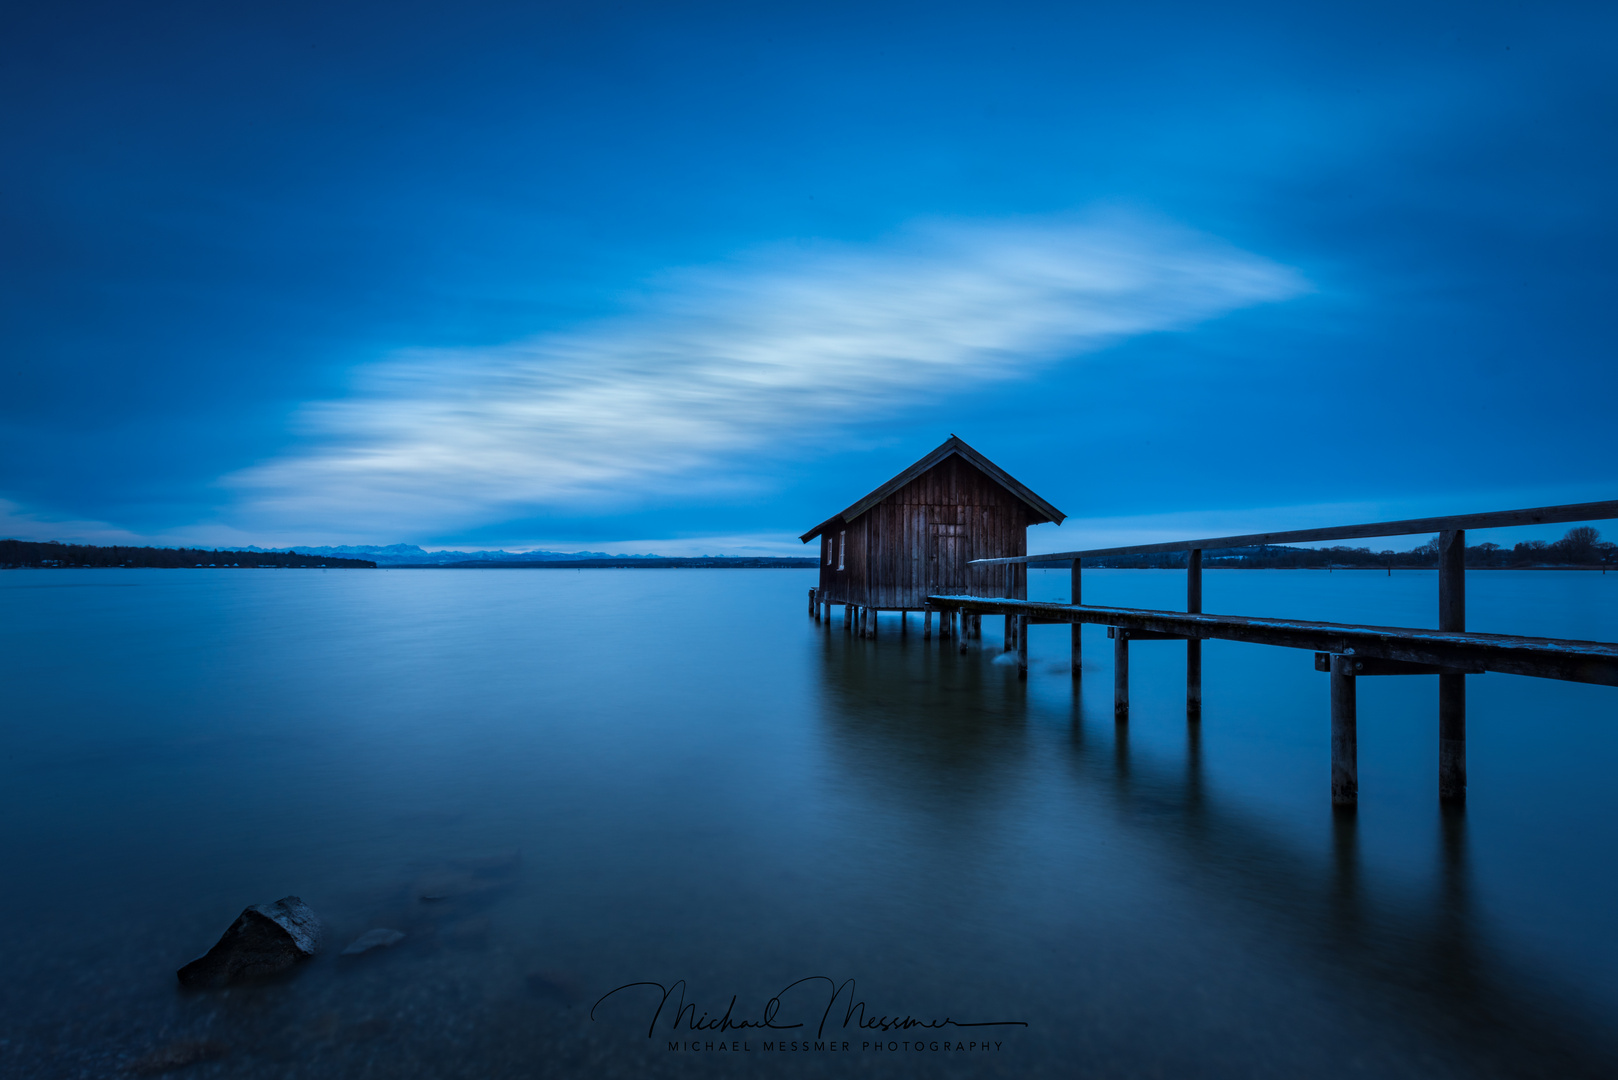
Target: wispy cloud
[
  {"x": 730, "y": 362},
  {"x": 19, "y": 523}
]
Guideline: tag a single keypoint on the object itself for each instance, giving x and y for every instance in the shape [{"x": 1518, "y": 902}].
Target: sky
[{"x": 689, "y": 278}]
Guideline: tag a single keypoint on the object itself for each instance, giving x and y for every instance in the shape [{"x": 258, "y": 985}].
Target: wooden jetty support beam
[
  {"x": 1545, "y": 658},
  {"x": 1345, "y": 747},
  {"x": 1452, "y": 688},
  {"x": 1345, "y": 668},
  {"x": 1078, "y": 638},
  {"x": 1121, "y": 636},
  {"x": 1120, "y": 674},
  {"x": 1193, "y": 646}
]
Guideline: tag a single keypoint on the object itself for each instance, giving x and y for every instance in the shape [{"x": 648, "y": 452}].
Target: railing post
[
  {"x": 1452, "y": 688},
  {"x": 1193, "y": 646},
  {"x": 1345, "y": 767},
  {"x": 1078, "y": 639}
]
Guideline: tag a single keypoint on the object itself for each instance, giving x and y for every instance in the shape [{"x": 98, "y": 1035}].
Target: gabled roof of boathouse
[{"x": 952, "y": 447}]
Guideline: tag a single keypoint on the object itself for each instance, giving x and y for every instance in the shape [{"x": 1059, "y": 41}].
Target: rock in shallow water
[
  {"x": 265, "y": 940},
  {"x": 380, "y": 938}
]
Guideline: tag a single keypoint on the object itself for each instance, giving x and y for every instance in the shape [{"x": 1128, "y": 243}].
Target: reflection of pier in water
[{"x": 921, "y": 720}]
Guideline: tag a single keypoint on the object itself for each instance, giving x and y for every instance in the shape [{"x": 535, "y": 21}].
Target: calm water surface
[{"x": 653, "y": 776}]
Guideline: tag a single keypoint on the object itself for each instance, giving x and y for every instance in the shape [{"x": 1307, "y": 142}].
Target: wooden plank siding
[{"x": 922, "y": 538}]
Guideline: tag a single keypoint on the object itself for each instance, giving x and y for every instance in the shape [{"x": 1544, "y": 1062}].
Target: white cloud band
[{"x": 746, "y": 359}]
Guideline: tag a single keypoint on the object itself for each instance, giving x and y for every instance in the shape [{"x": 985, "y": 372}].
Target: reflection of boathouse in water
[{"x": 916, "y": 534}]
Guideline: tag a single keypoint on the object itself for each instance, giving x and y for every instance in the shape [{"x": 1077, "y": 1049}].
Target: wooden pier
[{"x": 1346, "y": 651}]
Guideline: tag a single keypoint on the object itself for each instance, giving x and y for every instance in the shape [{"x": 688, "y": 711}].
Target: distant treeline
[
  {"x": 1582, "y": 546},
  {"x": 19, "y": 553},
  {"x": 638, "y": 562}
]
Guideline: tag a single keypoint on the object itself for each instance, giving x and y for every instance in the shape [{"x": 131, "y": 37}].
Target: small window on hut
[
  {"x": 842, "y": 538},
  {"x": 826, "y": 543}
]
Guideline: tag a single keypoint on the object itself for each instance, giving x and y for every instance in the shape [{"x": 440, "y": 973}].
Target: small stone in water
[{"x": 380, "y": 938}]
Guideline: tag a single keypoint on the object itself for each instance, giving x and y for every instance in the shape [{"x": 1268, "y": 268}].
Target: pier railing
[{"x": 1346, "y": 651}]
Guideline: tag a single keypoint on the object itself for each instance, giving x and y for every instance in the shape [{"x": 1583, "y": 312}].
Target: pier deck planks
[{"x": 1546, "y": 658}]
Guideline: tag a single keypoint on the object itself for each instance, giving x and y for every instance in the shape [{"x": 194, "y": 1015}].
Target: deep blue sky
[{"x": 692, "y": 277}]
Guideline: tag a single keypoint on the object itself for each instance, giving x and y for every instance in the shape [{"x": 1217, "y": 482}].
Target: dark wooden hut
[{"x": 916, "y": 534}]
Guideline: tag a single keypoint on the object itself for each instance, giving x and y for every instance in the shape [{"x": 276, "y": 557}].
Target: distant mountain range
[{"x": 411, "y": 555}]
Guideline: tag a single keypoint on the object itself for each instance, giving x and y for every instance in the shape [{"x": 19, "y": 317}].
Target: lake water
[{"x": 615, "y": 777}]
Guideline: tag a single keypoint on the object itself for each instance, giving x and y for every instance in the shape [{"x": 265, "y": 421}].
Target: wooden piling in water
[
  {"x": 1120, "y": 673},
  {"x": 926, "y": 626},
  {"x": 1078, "y": 640},
  {"x": 1452, "y": 688},
  {"x": 1022, "y": 646},
  {"x": 1193, "y": 646},
  {"x": 1345, "y": 767}
]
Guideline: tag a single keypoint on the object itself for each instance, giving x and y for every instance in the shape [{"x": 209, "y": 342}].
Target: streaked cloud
[
  {"x": 734, "y": 364},
  {"x": 18, "y": 522}
]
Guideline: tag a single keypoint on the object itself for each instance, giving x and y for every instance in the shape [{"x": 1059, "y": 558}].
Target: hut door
[{"x": 947, "y": 558}]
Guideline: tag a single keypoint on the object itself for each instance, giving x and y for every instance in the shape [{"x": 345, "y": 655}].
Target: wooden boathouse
[{"x": 918, "y": 535}]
